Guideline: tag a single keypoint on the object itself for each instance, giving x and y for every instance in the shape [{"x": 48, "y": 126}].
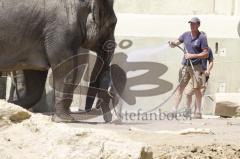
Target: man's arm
[
  {"x": 202, "y": 55},
  {"x": 209, "y": 67},
  {"x": 175, "y": 43}
]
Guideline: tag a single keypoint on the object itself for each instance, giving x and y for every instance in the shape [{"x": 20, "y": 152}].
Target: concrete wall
[
  {"x": 145, "y": 25},
  {"x": 179, "y": 7}
]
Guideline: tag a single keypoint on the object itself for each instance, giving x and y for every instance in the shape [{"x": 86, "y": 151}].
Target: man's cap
[{"x": 194, "y": 20}]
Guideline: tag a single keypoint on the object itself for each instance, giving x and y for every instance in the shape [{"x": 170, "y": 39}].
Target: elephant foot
[
  {"x": 107, "y": 116},
  {"x": 62, "y": 117},
  {"x": 117, "y": 121},
  {"x": 24, "y": 103},
  {"x": 83, "y": 115}
]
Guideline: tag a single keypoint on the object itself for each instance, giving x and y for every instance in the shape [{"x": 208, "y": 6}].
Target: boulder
[{"x": 226, "y": 109}]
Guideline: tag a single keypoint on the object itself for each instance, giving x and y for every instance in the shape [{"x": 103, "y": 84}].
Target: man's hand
[
  {"x": 189, "y": 56},
  {"x": 207, "y": 73},
  {"x": 172, "y": 44}
]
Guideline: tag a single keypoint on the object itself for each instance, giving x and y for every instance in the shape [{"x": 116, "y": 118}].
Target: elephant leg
[
  {"x": 99, "y": 88},
  {"x": 113, "y": 81},
  {"x": 119, "y": 80},
  {"x": 104, "y": 95},
  {"x": 91, "y": 94},
  {"x": 64, "y": 85},
  {"x": 34, "y": 86},
  {"x": 3, "y": 83},
  {"x": 94, "y": 85}
]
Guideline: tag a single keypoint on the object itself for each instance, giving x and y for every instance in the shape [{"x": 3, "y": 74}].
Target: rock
[
  {"x": 146, "y": 153},
  {"x": 226, "y": 109},
  {"x": 19, "y": 117},
  {"x": 194, "y": 150}
]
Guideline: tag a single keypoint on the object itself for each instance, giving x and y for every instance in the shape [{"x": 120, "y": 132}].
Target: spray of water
[{"x": 148, "y": 53}]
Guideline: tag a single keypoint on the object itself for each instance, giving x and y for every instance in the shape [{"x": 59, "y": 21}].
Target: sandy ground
[
  {"x": 38, "y": 137},
  {"x": 24, "y": 135},
  {"x": 210, "y": 137}
]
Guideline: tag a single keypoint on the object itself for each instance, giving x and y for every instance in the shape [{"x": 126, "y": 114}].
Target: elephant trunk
[{"x": 102, "y": 65}]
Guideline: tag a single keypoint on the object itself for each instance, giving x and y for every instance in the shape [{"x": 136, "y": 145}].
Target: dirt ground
[
  {"x": 38, "y": 137},
  {"x": 210, "y": 137}
]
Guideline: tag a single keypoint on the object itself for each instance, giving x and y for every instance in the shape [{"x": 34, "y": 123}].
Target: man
[
  {"x": 207, "y": 65},
  {"x": 196, "y": 46}
]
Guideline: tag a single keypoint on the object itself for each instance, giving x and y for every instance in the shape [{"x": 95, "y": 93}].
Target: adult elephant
[{"x": 36, "y": 35}]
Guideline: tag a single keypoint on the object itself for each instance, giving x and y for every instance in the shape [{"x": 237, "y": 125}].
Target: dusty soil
[
  {"x": 211, "y": 137},
  {"x": 26, "y": 135}
]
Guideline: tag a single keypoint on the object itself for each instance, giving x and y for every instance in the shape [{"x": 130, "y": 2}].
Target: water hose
[
  {"x": 171, "y": 95},
  {"x": 188, "y": 60}
]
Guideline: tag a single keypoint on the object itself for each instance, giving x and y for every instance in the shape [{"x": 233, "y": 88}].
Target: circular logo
[{"x": 109, "y": 46}]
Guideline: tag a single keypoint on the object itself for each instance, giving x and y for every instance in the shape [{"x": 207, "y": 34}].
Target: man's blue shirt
[{"x": 193, "y": 45}]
